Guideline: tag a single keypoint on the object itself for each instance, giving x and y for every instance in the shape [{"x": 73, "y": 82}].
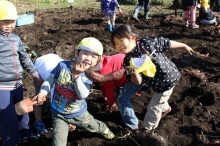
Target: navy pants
[{"x": 12, "y": 126}]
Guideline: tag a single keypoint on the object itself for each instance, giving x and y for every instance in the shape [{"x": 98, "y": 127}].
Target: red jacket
[{"x": 111, "y": 64}]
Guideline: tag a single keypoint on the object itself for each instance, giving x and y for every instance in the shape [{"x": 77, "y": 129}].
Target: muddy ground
[{"x": 195, "y": 102}]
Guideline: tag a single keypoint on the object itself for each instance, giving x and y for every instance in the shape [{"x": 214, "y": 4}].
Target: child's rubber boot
[
  {"x": 113, "y": 27},
  {"x": 108, "y": 134},
  {"x": 40, "y": 127},
  {"x": 135, "y": 15},
  {"x": 109, "y": 27},
  {"x": 146, "y": 17}
]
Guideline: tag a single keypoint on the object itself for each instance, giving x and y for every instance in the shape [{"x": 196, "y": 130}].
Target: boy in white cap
[
  {"x": 71, "y": 88},
  {"x": 12, "y": 61}
]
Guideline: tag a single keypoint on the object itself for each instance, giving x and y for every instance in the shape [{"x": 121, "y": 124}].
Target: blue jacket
[
  {"x": 109, "y": 6},
  {"x": 13, "y": 57}
]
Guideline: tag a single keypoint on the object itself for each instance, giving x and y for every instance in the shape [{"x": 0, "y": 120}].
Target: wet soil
[{"x": 195, "y": 102}]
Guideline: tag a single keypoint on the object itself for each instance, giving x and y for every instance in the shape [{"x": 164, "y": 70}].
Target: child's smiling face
[
  {"x": 7, "y": 25},
  {"x": 88, "y": 58},
  {"x": 125, "y": 45}
]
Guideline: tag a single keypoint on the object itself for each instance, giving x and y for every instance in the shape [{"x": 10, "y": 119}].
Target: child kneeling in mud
[{"x": 71, "y": 88}]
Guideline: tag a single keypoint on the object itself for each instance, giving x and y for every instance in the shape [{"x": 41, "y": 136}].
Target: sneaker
[
  {"x": 108, "y": 134},
  {"x": 186, "y": 25},
  {"x": 166, "y": 112},
  {"x": 194, "y": 26},
  {"x": 40, "y": 127}
]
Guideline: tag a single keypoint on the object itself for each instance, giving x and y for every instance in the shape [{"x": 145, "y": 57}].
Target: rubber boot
[
  {"x": 113, "y": 27},
  {"x": 135, "y": 15},
  {"x": 146, "y": 17},
  {"x": 109, "y": 27}
]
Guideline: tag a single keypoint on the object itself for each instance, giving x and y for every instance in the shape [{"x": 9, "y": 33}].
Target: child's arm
[
  {"x": 45, "y": 89},
  {"x": 81, "y": 88},
  {"x": 100, "y": 78},
  {"x": 135, "y": 76},
  {"x": 178, "y": 45}
]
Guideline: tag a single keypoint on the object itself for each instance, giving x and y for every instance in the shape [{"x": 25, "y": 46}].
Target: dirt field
[{"x": 194, "y": 119}]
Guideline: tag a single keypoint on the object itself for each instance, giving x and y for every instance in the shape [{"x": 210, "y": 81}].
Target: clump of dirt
[{"x": 194, "y": 119}]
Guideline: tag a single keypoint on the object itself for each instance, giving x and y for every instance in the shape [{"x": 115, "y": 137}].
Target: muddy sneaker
[
  {"x": 40, "y": 127},
  {"x": 166, "y": 112},
  {"x": 147, "y": 17},
  {"x": 108, "y": 134},
  {"x": 194, "y": 26},
  {"x": 186, "y": 25}
]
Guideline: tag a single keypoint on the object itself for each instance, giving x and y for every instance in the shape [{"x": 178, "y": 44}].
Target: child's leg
[
  {"x": 125, "y": 107},
  {"x": 157, "y": 105},
  {"x": 193, "y": 15},
  {"x": 60, "y": 130},
  {"x": 89, "y": 123},
  {"x": 9, "y": 123},
  {"x": 186, "y": 16}
]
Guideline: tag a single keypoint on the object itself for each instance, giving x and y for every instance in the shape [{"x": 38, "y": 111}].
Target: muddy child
[
  {"x": 68, "y": 104},
  {"x": 13, "y": 58},
  {"x": 109, "y": 9}
]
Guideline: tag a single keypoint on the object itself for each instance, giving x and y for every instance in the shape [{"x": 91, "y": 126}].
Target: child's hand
[
  {"x": 189, "y": 49},
  {"x": 72, "y": 127},
  {"x": 78, "y": 69},
  {"x": 130, "y": 70},
  {"x": 40, "y": 98}
]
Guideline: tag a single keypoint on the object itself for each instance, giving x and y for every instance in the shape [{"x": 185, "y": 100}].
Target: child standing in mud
[
  {"x": 71, "y": 88},
  {"x": 189, "y": 8},
  {"x": 145, "y": 63},
  {"x": 12, "y": 61},
  {"x": 109, "y": 9}
]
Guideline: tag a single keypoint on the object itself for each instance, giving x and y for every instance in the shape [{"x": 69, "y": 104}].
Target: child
[
  {"x": 206, "y": 15},
  {"x": 189, "y": 8},
  {"x": 146, "y": 4},
  {"x": 108, "y": 6},
  {"x": 126, "y": 89},
  {"x": 44, "y": 64},
  {"x": 13, "y": 58},
  {"x": 110, "y": 64},
  {"x": 71, "y": 88},
  {"x": 160, "y": 73}
]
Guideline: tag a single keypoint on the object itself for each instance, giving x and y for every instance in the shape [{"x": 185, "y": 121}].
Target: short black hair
[{"x": 123, "y": 31}]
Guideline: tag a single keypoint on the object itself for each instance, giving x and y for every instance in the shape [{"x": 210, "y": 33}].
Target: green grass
[{"x": 30, "y": 5}]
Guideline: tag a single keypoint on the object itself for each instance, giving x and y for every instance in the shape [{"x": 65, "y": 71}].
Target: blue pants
[
  {"x": 125, "y": 108},
  {"x": 11, "y": 125},
  {"x": 146, "y": 4}
]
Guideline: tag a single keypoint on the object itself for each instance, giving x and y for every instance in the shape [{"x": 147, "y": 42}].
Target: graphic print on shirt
[{"x": 65, "y": 98}]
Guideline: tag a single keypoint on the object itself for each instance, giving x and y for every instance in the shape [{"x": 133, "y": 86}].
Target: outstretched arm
[
  {"x": 100, "y": 78},
  {"x": 175, "y": 44}
]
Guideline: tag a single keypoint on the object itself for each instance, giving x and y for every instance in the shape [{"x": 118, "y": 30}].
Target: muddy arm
[{"x": 100, "y": 78}]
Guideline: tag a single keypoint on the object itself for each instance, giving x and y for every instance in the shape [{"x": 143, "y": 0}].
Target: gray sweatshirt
[{"x": 13, "y": 58}]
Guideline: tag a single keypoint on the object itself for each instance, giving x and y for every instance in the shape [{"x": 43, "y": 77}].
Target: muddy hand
[
  {"x": 130, "y": 70},
  {"x": 72, "y": 127},
  {"x": 40, "y": 98}
]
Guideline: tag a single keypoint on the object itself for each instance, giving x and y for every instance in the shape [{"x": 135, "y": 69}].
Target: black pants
[{"x": 217, "y": 3}]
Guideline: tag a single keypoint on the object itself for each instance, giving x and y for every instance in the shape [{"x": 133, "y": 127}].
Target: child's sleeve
[
  {"x": 81, "y": 87},
  {"x": 149, "y": 44},
  {"x": 25, "y": 61}
]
